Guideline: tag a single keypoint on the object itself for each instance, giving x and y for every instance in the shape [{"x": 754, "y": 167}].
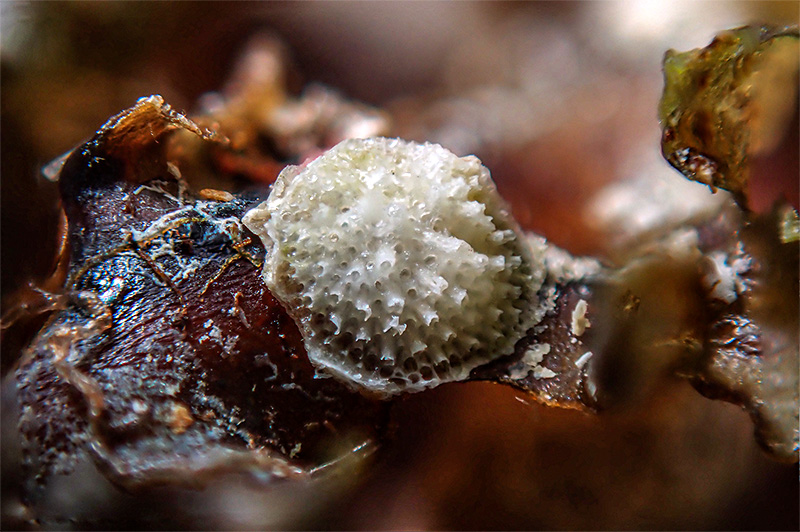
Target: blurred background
[{"x": 559, "y": 100}]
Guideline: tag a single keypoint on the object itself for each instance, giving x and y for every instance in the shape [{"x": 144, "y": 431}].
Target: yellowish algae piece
[
  {"x": 400, "y": 262},
  {"x": 724, "y": 102}
]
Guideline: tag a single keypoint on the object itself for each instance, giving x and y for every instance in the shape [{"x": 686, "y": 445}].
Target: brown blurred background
[{"x": 558, "y": 99}]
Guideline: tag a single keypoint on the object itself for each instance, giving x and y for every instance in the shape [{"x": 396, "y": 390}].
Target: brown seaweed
[{"x": 169, "y": 360}]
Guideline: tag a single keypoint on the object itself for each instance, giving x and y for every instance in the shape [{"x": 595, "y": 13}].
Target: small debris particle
[
  {"x": 535, "y": 354},
  {"x": 579, "y": 321},
  {"x": 295, "y": 450},
  {"x": 541, "y": 372},
  {"x": 180, "y": 418},
  {"x": 583, "y": 359},
  {"x": 591, "y": 389},
  {"x": 523, "y": 401},
  {"x": 238, "y": 311},
  {"x": 531, "y": 362},
  {"x": 173, "y": 169},
  {"x": 723, "y": 279},
  {"x": 215, "y": 195},
  {"x": 139, "y": 407},
  {"x": 630, "y": 302}
]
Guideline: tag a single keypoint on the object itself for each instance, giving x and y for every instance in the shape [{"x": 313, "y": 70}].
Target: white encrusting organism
[{"x": 400, "y": 262}]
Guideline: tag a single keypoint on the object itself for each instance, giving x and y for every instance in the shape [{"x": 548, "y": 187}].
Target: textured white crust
[{"x": 400, "y": 262}]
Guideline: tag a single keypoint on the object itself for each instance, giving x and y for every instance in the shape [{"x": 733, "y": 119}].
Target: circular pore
[{"x": 400, "y": 262}]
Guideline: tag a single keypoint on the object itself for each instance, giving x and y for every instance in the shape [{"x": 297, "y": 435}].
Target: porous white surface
[{"x": 399, "y": 261}]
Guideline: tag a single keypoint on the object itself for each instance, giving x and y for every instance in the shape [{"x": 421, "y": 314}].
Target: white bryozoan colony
[{"x": 399, "y": 261}]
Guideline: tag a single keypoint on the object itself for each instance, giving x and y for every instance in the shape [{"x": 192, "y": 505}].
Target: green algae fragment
[{"x": 789, "y": 226}]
